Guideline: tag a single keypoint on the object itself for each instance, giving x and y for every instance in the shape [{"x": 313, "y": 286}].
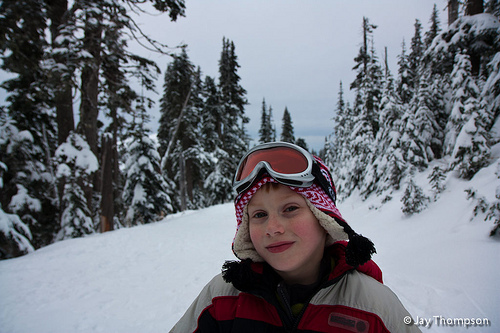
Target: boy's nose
[{"x": 274, "y": 225}]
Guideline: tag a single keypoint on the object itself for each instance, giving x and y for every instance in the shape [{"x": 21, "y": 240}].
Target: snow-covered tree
[
  {"x": 234, "y": 139},
  {"x": 145, "y": 193},
  {"x": 389, "y": 163},
  {"x": 415, "y": 56},
  {"x": 472, "y": 151},
  {"x": 15, "y": 236},
  {"x": 404, "y": 88},
  {"x": 76, "y": 164},
  {"x": 181, "y": 142},
  {"x": 414, "y": 200},
  {"x": 465, "y": 94},
  {"x": 434, "y": 29},
  {"x": 436, "y": 180},
  {"x": 29, "y": 187}
]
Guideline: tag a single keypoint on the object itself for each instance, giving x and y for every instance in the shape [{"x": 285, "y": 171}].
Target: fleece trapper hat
[{"x": 359, "y": 248}]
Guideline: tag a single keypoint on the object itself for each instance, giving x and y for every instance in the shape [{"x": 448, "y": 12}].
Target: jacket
[{"x": 250, "y": 297}]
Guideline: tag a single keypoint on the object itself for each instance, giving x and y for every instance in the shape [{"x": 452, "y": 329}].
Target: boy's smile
[{"x": 286, "y": 234}]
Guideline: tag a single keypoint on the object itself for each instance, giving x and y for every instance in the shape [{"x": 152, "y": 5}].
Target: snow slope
[{"x": 142, "y": 279}]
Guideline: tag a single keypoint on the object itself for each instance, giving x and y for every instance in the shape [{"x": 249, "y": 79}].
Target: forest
[{"x": 64, "y": 173}]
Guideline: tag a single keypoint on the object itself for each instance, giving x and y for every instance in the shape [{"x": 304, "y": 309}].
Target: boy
[{"x": 296, "y": 271}]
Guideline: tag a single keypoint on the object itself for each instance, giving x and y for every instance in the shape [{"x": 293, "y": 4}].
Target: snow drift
[{"x": 441, "y": 264}]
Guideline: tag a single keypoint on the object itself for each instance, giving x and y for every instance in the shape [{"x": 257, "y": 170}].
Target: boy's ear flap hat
[{"x": 359, "y": 249}]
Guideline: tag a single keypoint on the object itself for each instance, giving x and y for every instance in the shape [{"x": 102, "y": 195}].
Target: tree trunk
[
  {"x": 107, "y": 191},
  {"x": 452, "y": 11},
  {"x": 56, "y": 10},
  {"x": 474, "y": 7},
  {"x": 182, "y": 182},
  {"x": 90, "y": 84},
  {"x": 89, "y": 110}
]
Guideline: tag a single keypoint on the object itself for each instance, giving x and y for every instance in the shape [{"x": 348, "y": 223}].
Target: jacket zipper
[{"x": 292, "y": 322}]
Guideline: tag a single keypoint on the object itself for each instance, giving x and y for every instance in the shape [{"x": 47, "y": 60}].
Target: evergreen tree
[
  {"x": 434, "y": 29},
  {"x": 266, "y": 127},
  {"x": 301, "y": 142},
  {"x": 76, "y": 163},
  {"x": 414, "y": 200},
  {"x": 389, "y": 165},
  {"x": 426, "y": 134},
  {"x": 465, "y": 93},
  {"x": 212, "y": 116},
  {"x": 287, "y": 128},
  {"x": 15, "y": 236},
  {"x": 490, "y": 95},
  {"x": 404, "y": 86},
  {"x": 472, "y": 151},
  {"x": 180, "y": 133},
  {"x": 234, "y": 141},
  {"x": 271, "y": 123},
  {"x": 493, "y": 7},
  {"x": 367, "y": 86},
  {"x": 436, "y": 180},
  {"x": 415, "y": 56},
  {"x": 46, "y": 44},
  {"x": 146, "y": 193},
  {"x": 23, "y": 44}
]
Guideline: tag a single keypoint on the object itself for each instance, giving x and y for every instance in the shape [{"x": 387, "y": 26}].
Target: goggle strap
[{"x": 323, "y": 182}]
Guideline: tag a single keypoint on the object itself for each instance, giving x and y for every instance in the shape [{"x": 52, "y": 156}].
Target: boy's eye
[
  {"x": 291, "y": 208},
  {"x": 259, "y": 215}
]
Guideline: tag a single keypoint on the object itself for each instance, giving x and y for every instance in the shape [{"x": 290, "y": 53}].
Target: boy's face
[{"x": 286, "y": 234}]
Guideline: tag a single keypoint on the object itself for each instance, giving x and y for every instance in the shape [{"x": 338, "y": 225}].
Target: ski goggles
[{"x": 287, "y": 163}]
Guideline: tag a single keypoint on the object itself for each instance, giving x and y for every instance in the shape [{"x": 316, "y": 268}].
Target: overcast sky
[{"x": 292, "y": 53}]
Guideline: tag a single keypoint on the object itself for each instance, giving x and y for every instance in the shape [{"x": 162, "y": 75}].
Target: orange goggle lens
[{"x": 283, "y": 160}]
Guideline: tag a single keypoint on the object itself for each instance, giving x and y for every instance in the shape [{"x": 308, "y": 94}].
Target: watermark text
[{"x": 442, "y": 321}]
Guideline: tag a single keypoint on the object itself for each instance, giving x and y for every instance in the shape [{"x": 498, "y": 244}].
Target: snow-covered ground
[{"x": 440, "y": 264}]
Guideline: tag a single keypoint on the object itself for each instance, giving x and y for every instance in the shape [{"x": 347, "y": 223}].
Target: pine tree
[
  {"x": 287, "y": 134},
  {"x": 265, "y": 131},
  {"x": 403, "y": 84},
  {"x": 436, "y": 180},
  {"x": 490, "y": 95},
  {"x": 389, "y": 164},
  {"x": 23, "y": 44},
  {"x": 146, "y": 193},
  {"x": 272, "y": 125},
  {"x": 427, "y": 134},
  {"x": 415, "y": 57},
  {"x": 181, "y": 141},
  {"x": 493, "y": 7},
  {"x": 368, "y": 85},
  {"x": 465, "y": 93},
  {"x": 338, "y": 151},
  {"x": 234, "y": 137},
  {"x": 434, "y": 29},
  {"x": 212, "y": 115},
  {"x": 15, "y": 236},
  {"x": 76, "y": 163},
  {"x": 414, "y": 200},
  {"x": 472, "y": 151}
]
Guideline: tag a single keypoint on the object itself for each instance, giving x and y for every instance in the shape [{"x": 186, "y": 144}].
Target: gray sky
[{"x": 293, "y": 53}]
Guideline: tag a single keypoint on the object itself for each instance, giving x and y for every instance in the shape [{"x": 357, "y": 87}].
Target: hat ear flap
[{"x": 359, "y": 248}]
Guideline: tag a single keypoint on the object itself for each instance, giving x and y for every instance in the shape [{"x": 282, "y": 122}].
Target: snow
[{"x": 142, "y": 279}]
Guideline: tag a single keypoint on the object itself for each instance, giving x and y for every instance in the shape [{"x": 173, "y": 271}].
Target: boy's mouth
[{"x": 279, "y": 247}]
